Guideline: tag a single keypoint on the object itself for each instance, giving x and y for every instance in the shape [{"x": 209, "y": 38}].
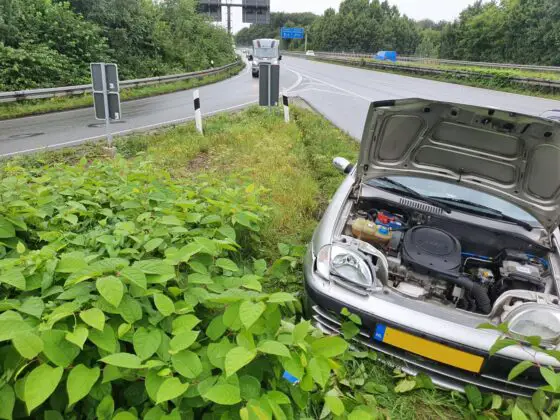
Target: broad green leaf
[
  {"x": 105, "y": 339},
  {"x": 164, "y": 304},
  {"x": 9, "y": 328},
  {"x": 250, "y": 387},
  {"x": 519, "y": 369},
  {"x": 184, "y": 323},
  {"x": 500, "y": 344},
  {"x": 405, "y": 385},
  {"x": 216, "y": 328},
  {"x": 57, "y": 349},
  {"x": 94, "y": 318},
  {"x": 187, "y": 364},
  {"x": 517, "y": 414},
  {"x": 170, "y": 220},
  {"x": 111, "y": 373},
  {"x": 350, "y": 330},
  {"x": 7, "y": 402},
  {"x": 72, "y": 263},
  {"x": 300, "y": 332},
  {"x": 130, "y": 309},
  {"x": 135, "y": 276},
  {"x": 236, "y": 358},
  {"x": 281, "y": 297},
  {"x": 40, "y": 384},
  {"x": 329, "y": 346},
  {"x": 28, "y": 344},
  {"x": 252, "y": 282},
  {"x": 473, "y": 395},
  {"x": 105, "y": 409},
  {"x": 124, "y": 360},
  {"x": 335, "y": 405},
  {"x": 152, "y": 244},
  {"x": 227, "y": 264},
  {"x": 274, "y": 347},
  {"x": 153, "y": 382},
  {"x": 551, "y": 378},
  {"x": 496, "y": 402},
  {"x": 250, "y": 312},
  {"x": 170, "y": 388},
  {"x": 539, "y": 400},
  {"x": 125, "y": 415},
  {"x": 223, "y": 394},
  {"x": 78, "y": 337},
  {"x": 33, "y": 306},
  {"x": 111, "y": 288},
  {"x": 13, "y": 277},
  {"x": 182, "y": 341},
  {"x": 7, "y": 229},
  {"x": 146, "y": 342},
  {"x": 320, "y": 370},
  {"x": 80, "y": 381}
]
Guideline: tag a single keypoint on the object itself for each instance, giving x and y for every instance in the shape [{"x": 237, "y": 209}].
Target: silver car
[{"x": 448, "y": 220}]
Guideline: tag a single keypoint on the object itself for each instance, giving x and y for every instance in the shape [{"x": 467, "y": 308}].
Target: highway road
[{"x": 340, "y": 93}]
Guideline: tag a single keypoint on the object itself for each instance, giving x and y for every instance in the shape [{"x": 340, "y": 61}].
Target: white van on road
[{"x": 264, "y": 51}]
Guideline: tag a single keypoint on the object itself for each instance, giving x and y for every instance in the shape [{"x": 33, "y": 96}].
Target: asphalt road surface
[{"x": 341, "y": 93}]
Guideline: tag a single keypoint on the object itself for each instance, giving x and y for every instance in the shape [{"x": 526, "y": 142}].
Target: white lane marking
[
  {"x": 349, "y": 92},
  {"x": 298, "y": 81},
  {"x": 123, "y": 132}
]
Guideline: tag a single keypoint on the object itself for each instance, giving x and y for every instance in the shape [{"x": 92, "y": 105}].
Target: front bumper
[{"x": 324, "y": 302}]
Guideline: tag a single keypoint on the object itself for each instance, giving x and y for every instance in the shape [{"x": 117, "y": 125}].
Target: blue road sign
[{"x": 293, "y": 33}]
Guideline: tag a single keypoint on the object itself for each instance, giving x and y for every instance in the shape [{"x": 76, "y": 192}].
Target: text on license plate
[{"x": 428, "y": 349}]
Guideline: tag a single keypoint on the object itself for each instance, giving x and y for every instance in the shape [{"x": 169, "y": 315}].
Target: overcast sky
[{"x": 416, "y": 9}]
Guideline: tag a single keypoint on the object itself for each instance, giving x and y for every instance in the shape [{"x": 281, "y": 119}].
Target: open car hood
[{"x": 512, "y": 156}]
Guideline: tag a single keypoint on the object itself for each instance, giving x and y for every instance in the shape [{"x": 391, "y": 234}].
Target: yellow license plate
[{"x": 428, "y": 349}]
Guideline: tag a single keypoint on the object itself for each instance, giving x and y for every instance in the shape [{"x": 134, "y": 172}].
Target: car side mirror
[
  {"x": 250, "y": 57},
  {"x": 279, "y": 57},
  {"x": 343, "y": 165}
]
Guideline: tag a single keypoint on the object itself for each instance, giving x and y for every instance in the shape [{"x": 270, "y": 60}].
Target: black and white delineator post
[
  {"x": 286, "y": 104},
  {"x": 106, "y": 97},
  {"x": 197, "y": 111}
]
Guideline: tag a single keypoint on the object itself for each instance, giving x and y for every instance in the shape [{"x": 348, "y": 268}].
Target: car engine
[{"x": 428, "y": 262}]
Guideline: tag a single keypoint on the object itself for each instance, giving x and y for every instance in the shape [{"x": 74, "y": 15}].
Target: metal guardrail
[
  {"x": 550, "y": 85},
  {"x": 22, "y": 95},
  {"x": 428, "y": 60}
]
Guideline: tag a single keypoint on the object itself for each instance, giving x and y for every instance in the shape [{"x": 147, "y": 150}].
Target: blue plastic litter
[
  {"x": 290, "y": 378},
  {"x": 386, "y": 56}
]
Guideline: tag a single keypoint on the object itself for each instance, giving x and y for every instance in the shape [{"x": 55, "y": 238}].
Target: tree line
[
  {"x": 46, "y": 43},
  {"x": 515, "y": 31}
]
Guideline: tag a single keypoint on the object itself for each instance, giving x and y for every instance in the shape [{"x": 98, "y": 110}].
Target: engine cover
[{"x": 431, "y": 251}]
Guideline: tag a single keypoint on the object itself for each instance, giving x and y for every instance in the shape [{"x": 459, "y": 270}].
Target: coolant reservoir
[{"x": 370, "y": 232}]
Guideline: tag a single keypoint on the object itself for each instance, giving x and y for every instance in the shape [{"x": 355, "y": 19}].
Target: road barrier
[
  {"x": 436, "y": 61},
  {"x": 551, "y": 86},
  {"x": 22, "y": 95}
]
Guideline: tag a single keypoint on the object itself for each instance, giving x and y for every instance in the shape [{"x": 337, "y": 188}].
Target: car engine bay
[{"x": 431, "y": 257}]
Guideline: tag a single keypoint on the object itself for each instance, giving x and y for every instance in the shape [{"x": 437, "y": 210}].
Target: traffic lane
[
  {"x": 73, "y": 127},
  {"x": 369, "y": 85}
]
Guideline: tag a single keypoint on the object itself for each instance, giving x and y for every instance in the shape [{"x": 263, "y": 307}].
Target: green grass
[
  {"x": 291, "y": 163},
  {"x": 11, "y": 110},
  {"x": 498, "y": 82}
]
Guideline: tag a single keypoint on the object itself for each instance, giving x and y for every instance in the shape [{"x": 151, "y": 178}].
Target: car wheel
[{"x": 255, "y": 75}]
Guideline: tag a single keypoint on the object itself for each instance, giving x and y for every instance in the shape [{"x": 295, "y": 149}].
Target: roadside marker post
[
  {"x": 197, "y": 111},
  {"x": 269, "y": 84},
  {"x": 106, "y": 96},
  {"x": 286, "y": 104}
]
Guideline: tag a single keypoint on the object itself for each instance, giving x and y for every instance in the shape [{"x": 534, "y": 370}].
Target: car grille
[{"x": 441, "y": 374}]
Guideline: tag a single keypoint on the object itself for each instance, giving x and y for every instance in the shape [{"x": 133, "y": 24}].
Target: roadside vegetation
[
  {"x": 52, "y": 43},
  {"x": 167, "y": 281},
  {"x": 10, "y": 110}
]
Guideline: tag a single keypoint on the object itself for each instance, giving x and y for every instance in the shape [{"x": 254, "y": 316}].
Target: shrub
[{"x": 122, "y": 297}]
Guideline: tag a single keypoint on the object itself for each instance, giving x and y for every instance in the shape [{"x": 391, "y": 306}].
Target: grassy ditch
[
  {"x": 19, "y": 109},
  {"x": 499, "y": 81},
  {"x": 249, "y": 192}
]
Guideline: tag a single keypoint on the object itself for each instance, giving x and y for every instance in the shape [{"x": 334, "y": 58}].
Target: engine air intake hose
[{"x": 478, "y": 292}]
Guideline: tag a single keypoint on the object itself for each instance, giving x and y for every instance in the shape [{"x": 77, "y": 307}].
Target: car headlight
[
  {"x": 535, "y": 320},
  {"x": 344, "y": 263}
]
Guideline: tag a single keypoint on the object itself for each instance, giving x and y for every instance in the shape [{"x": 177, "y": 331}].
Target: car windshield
[
  {"x": 444, "y": 190},
  {"x": 266, "y": 52}
]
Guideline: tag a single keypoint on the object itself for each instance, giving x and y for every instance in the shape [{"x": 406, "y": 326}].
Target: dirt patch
[{"x": 200, "y": 163}]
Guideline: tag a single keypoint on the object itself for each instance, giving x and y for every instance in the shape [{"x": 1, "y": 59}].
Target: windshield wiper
[
  {"x": 416, "y": 194},
  {"x": 487, "y": 211}
]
